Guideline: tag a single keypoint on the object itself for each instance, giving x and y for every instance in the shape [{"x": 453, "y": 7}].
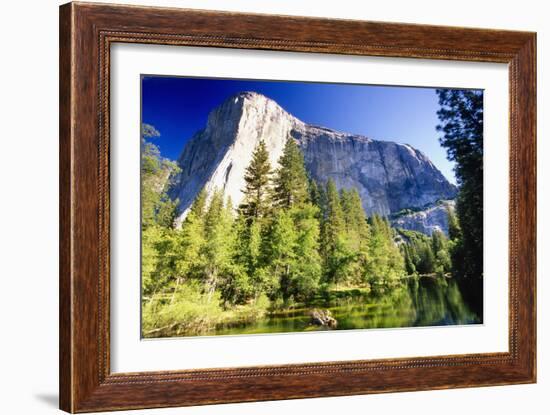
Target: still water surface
[{"x": 418, "y": 302}]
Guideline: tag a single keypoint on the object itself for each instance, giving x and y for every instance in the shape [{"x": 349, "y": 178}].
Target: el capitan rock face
[{"x": 388, "y": 176}]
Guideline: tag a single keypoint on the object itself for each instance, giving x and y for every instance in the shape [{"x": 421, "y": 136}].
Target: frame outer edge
[
  {"x": 523, "y": 111},
  {"x": 528, "y": 140},
  {"x": 66, "y": 120},
  {"x": 534, "y": 168},
  {"x": 82, "y": 389}
]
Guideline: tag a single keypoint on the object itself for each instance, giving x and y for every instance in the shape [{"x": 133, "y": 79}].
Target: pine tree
[
  {"x": 199, "y": 204},
  {"x": 461, "y": 117},
  {"x": 357, "y": 232},
  {"x": 355, "y": 217},
  {"x": 151, "y": 279},
  {"x": 335, "y": 224},
  {"x": 250, "y": 254},
  {"x": 282, "y": 250},
  {"x": 454, "y": 227},
  {"x": 314, "y": 193},
  {"x": 293, "y": 253},
  {"x": 291, "y": 182},
  {"x": 236, "y": 285},
  {"x": 410, "y": 267},
  {"x": 334, "y": 241},
  {"x": 385, "y": 261},
  {"x": 427, "y": 259},
  {"x": 253, "y": 220},
  {"x": 426, "y": 254},
  {"x": 191, "y": 239},
  {"x": 439, "y": 241},
  {"x": 257, "y": 184},
  {"x": 294, "y": 235},
  {"x": 440, "y": 248},
  {"x": 318, "y": 196},
  {"x": 219, "y": 243},
  {"x": 305, "y": 280}
]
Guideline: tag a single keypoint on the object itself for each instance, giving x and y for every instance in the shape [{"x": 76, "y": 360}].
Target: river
[{"x": 418, "y": 302}]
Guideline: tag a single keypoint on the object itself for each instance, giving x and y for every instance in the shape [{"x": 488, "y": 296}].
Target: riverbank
[{"x": 410, "y": 302}]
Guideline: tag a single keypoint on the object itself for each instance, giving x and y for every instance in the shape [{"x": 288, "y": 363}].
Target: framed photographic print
[{"x": 261, "y": 207}]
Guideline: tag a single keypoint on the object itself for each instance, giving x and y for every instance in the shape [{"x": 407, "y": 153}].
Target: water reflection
[{"x": 417, "y": 302}]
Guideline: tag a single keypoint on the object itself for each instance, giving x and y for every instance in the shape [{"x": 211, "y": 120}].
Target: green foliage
[
  {"x": 440, "y": 250},
  {"x": 219, "y": 244},
  {"x": 357, "y": 234},
  {"x": 282, "y": 249},
  {"x": 290, "y": 182},
  {"x": 294, "y": 252},
  {"x": 335, "y": 245},
  {"x": 426, "y": 265},
  {"x": 308, "y": 273},
  {"x": 257, "y": 184},
  {"x": 385, "y": 261},
  {"x": 454, "y": 227},
  {"x": 426, "y": 255},
  {"x": 183, "y": 310},
  {"x": 153, "y": 242},
  {"x": 149, "y": 131},
  {"x": 461, "y": 125},
  {"x": 318, "y": 196},
  {"x": 288, "y": 243},
  {"x": 409, "y": 259},
  {"x": 252, "y": 237},
  {"x": 156, "y": 206}
]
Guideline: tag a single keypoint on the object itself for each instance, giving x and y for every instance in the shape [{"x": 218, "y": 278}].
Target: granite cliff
[{"x": 389, "y": 176}]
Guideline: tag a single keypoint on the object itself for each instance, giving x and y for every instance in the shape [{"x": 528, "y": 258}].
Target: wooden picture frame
[{"x": 86, "y": 33}]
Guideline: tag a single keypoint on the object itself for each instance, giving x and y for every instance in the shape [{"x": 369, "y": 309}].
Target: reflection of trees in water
[
  {"x": 419, "y": 302},
  {"x": 439, "y": 302}
]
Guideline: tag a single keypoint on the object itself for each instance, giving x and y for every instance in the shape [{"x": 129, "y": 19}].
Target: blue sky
[{"x": 178, "y": 107}]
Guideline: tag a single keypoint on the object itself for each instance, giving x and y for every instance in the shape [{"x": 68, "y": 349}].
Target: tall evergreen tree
[
  {"x": 294, "y": 235},
  {"x": 335, "y": 225},
  {"x": 336, "y": 252},
  {"x": 191, "y": 240},
  {"x": 439, "y": 241},
  {"x": 410, "y": 267},
  {"x": 454, "y": 227},
  {"x": 199, "y": 204},
  {"x": 318, "y": 196},
  {"x": 290, "y": 182},
  {"x": 250, "y": 253},
  {"x": 257, "y": 184},
  {"x": 308, "y": 270},
  {"x": 219, "y": 243},
  {"x": 354, "y": 214},
  {"x": 357, "y": 232},
  {"x": 385, "y": 261},
  {"x": 153, "y": 276},
  {"x": 456, "y": 245},
  {"x": 461, "y": 125},
  {"x": 426, "y": 264},
  {"x": 252, "y": 224},
  {"x": 282, "y": 250}
]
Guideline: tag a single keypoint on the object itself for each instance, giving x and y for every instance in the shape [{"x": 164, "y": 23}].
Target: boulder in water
[{"x": 323, "y": 318}]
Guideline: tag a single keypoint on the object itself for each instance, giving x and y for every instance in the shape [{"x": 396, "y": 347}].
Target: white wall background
[{"x": 28, "y": 208}]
